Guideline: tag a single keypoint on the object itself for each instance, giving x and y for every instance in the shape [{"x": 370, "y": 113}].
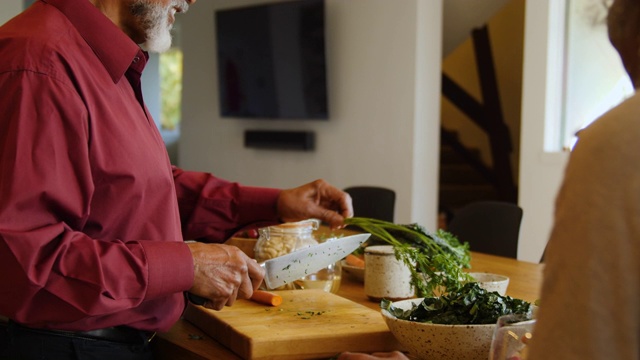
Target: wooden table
[{"x": 185, "y": 341}]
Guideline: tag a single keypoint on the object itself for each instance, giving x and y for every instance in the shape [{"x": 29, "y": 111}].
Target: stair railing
[{"x": 488, "y": 116}]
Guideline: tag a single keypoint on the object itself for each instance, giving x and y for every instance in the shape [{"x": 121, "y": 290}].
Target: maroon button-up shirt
[{"x": 92, "y": 214}]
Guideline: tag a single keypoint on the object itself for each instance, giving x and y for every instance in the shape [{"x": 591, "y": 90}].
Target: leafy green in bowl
[
  {"x": 458, "y": 325},
  {"x": 469, "y": 305}
]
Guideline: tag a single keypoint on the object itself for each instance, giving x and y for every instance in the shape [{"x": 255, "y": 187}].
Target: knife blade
[{"x": 297, "y": 264}]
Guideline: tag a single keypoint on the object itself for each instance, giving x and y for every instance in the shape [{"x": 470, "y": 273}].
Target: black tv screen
[{"x": 271, "y": 61}]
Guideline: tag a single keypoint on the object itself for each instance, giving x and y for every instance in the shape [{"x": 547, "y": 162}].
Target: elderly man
[{"x": 92, "y": 215}]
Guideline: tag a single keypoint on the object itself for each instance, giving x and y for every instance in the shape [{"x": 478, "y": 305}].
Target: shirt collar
[{"x": 111, "y": 45}]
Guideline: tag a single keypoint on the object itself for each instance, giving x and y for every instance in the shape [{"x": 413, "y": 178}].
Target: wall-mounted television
[{"x": 271, "y": 61}]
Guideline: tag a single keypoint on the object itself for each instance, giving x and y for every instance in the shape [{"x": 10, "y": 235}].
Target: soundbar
[{"x": 285, "y": 140}]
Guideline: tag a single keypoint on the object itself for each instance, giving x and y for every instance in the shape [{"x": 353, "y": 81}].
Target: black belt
[{"x": 121, "y": 334}]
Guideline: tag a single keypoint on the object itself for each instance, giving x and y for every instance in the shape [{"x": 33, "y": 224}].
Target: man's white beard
[
  {"x": 159, "y": 35},
  {"x": 159, "y": 39},
  {"x": 154, "y": 21}
]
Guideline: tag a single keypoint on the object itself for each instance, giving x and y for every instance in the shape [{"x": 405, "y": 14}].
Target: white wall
[
  {"x": 9, "y": 9},
  {"x": 540, "y": 172},
  {"x": 384, "y": 92},
  {"x": 462, "y": 16}
]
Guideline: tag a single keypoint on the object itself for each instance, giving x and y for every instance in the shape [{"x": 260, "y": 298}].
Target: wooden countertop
[{"x": 185, "y": 341}]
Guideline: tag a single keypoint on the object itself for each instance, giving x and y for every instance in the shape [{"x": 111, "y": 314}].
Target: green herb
[
  {"x": 469, "y": 305},
  {"x": 436, "y": 259},
  {"x": 308, "y": 314}
]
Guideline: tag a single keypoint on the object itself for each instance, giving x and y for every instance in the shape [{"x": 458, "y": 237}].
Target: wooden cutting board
[{"x": 310, "y": 324}]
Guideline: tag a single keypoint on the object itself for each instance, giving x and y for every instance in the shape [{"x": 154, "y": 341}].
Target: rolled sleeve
[{"x": 213, "y": 209}]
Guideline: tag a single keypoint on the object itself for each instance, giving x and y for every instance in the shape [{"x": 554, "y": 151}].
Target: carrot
[
  {"x": 354, "y": 260},
  {"x": 265, "y": 297}
]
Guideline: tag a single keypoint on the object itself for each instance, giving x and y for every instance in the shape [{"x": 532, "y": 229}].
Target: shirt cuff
[{"x": 170, "y": 266}]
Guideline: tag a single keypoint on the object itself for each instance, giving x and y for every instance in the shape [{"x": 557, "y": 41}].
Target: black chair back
[
  {"x": 373, "y": 202},
  {"x": 491, "y": 227}
]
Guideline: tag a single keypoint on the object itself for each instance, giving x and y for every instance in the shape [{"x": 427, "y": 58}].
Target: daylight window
[{"x": 595, "y": 78}]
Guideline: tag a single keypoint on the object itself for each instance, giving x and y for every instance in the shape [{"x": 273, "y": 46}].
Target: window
[
  {"x": 169, "y": 105},
  {"x": 595, "y": 80},
  {"x": 171, "y": 88}
]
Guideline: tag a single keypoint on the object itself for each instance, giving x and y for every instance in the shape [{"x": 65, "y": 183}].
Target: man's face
[{"x": 151, "y": 22}]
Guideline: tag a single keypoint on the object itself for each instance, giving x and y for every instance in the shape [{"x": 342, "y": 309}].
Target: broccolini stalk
[{"x": 436, "y": 260}]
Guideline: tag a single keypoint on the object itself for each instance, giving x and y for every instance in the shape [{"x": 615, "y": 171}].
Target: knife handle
[{"x": 195, "y": 299}]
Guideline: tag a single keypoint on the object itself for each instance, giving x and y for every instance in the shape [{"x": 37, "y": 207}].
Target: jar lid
[
  {"x": 313, "y": 223},
  {"x": 380, "y": 249},
  {"x": 304, "y": 225}
]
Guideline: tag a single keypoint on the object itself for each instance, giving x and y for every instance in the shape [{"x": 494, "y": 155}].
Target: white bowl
[
  {"x": 439, "y": 342},
  {"x": 492, "y": 282},
  {"x": 354, "y": 272}
]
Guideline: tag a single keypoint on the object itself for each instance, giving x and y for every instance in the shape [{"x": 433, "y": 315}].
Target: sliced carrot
[
  {"x": 267, "y": 298},
  {"x": 354, "y": 260}
]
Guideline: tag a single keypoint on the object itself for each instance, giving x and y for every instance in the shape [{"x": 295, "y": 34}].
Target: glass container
[{"x": 284, "y": 238}]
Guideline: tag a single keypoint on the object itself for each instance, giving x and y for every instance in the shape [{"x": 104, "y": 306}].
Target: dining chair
[
  {"x": 491, "y": 227},
  {"x": 372, "y": 202}
]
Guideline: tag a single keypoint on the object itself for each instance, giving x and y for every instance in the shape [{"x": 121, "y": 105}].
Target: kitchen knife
[
  {"x": 297, "y": 264},
  {"x": 300, "y": 263}
]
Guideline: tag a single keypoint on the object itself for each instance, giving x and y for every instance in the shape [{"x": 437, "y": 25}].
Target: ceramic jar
[{"x": 386, "y": 277}]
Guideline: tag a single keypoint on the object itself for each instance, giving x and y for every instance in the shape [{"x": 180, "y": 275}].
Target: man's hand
[
  {"x": 223, "y": 273},
  {"x": 317, "y": 200}
]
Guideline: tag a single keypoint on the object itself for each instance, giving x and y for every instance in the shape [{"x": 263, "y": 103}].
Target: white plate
[{"x": 355, "y": 272}]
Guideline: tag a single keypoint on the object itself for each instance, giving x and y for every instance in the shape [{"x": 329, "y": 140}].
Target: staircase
[
  {"x": 464, "y": 177},
  {"x": 460, "y": 182}
]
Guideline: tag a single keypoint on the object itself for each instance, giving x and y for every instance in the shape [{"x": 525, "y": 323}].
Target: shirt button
[{"x": 136, "y": 59}]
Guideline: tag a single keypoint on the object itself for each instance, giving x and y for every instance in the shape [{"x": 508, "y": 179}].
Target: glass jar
[{"x": 282, "y": 239}]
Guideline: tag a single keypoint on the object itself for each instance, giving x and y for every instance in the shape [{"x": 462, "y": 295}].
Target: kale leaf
[{"x": 469, "y": 305}]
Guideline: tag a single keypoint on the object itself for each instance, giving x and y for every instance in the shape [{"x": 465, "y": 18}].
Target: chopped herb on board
[{"x": 308, "y": 314}]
